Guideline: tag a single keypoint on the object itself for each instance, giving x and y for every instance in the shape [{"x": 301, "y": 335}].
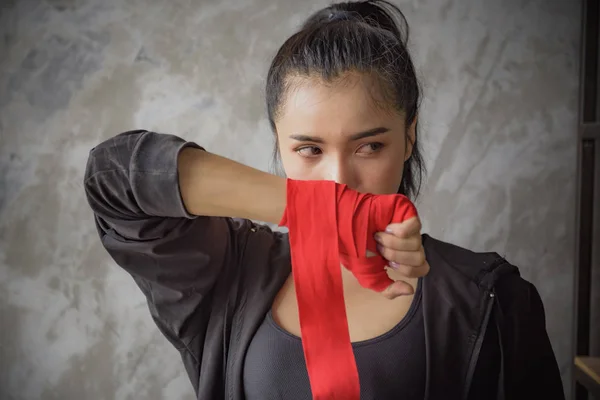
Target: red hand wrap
[{"x": 331, "y": 224}]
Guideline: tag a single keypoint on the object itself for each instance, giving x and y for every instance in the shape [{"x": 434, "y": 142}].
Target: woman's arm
[
  {"x": 133, "y": 183},
  {"x": 216, "y": 186},
  {"x": 542, "y": 375},
  {"x": 530, "y": 368}
]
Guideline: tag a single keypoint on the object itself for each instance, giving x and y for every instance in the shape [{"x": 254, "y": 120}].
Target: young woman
[{"x": 343, "y": 102}]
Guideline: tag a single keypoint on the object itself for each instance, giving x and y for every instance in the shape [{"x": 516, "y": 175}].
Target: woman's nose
[{"x": 342, "y": 173}]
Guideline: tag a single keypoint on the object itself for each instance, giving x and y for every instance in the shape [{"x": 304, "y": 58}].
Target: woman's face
[{"x": 336, "y": 132}]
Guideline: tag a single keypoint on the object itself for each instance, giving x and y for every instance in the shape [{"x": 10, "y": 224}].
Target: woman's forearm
[{"x": 212, "y": 185}]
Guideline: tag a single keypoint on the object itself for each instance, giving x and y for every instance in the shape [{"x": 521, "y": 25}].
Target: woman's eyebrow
[{"x": 357, "y": 136}]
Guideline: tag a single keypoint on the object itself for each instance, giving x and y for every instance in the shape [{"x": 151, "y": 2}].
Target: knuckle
[
  {"x": 416, "y": 242},
  {"x": 388, "y": 240},
  {"x": 402, "y": 258},
  {"x": 424, "y": 270},
  {"x": 418, "y": 223},
  {"x": 387, "y": 253},
  {"x": 410, "y": 272}
]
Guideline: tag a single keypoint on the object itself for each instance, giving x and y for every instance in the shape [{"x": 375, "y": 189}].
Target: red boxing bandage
[{"x": 330, "y": 224}]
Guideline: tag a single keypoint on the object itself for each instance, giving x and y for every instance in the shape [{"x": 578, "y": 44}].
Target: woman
[{"x": 343, "y": 101}]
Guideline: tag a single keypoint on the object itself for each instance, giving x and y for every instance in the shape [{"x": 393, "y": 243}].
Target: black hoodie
[{"x": 209, "y": 283}]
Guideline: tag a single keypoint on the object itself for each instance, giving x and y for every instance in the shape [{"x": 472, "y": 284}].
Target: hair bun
[
  {"x": 338, "y": 15},
  {"x": 380, "y": 14}
]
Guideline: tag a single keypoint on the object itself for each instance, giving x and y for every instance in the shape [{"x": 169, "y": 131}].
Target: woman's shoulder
[
  {"x": 459, "y": 268},
  {"x": 481, "y": 268}
]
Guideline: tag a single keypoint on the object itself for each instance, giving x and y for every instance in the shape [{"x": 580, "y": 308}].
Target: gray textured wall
[{"x": 499, "y": 126}]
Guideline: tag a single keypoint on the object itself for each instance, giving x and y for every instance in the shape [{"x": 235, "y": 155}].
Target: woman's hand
[{"x": 401, "y": 244}]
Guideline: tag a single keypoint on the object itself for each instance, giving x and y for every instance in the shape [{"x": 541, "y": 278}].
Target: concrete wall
[{"x": 499, "y": 127}]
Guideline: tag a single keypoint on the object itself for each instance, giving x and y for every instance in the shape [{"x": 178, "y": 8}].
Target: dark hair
[{"x": 361, "y": 36}]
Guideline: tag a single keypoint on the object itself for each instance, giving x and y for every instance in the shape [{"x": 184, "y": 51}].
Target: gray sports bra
[{"x": 390, "y": 366}]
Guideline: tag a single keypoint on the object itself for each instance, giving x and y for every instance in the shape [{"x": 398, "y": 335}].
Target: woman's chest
[
  {"x": 389, "y": 363},
  {"x": 369, "y": 314}
]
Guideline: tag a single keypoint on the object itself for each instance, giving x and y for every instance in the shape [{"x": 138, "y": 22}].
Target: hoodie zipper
[{"x": 478, "y": 343}]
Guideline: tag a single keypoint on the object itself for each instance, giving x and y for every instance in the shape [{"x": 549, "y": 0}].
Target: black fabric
[
  {"x": 390, "y": 366},
  {"x": 209, "y": 283}
]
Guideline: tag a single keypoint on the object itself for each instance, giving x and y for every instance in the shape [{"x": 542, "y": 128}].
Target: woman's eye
[
  {"x": 309, "y": 151},
  {"x": 370, "y": 148}
]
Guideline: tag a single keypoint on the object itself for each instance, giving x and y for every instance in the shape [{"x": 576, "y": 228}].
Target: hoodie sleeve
[
  {"x": 532, "y": 369},
  {"x": 131, "y": 183},
  {"x": 543, "y": 367}
]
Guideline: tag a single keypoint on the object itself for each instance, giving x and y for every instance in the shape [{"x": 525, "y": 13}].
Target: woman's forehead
[{"x": 350, "y": 104}]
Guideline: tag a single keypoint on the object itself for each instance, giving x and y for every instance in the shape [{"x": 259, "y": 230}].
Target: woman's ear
[{"x": 411, "y": 134}]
